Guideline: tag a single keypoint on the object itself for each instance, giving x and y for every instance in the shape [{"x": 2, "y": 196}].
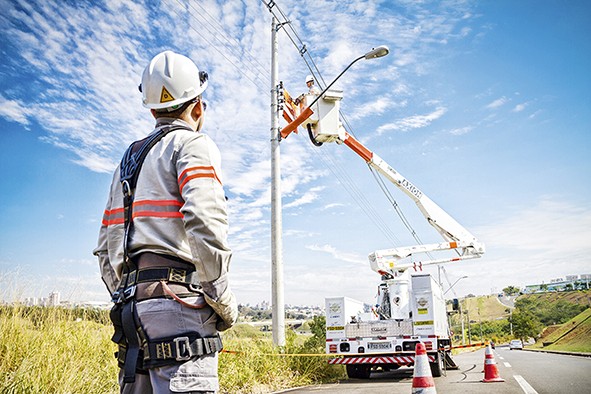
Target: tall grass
[
  {"x": 55, "y": 350},
  {"x": 63, "y": 351},
  {"x": 256, "y": 366}
]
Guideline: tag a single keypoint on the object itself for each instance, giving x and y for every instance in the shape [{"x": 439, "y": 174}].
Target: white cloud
[
  {"x": 413, "y": 122},
  {"x": 498, "y": 103},
  {"x": 377, "y": 107},
  {"x": 461, "y": 130},
  {"x": 14, "y": 110},
  {"x": 519, "y": 107},
  {"x": 546, "y": 240},
  {"x": 338, "y": 255},
  {"x": 308, "y": 197}
]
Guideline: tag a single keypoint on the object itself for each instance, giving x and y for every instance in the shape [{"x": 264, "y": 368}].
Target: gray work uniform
[{"x": 179, "y": 210}]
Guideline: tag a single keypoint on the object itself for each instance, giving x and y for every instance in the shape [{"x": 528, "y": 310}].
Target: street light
[
  {"x": 375, "y": 53},
  {"x": 461, "y": 312},
  {"x": 450, "y": 287}
]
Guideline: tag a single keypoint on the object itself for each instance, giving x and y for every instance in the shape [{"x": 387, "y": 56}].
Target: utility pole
[
  {"x": 276, "y": 214},
  {"x": 469, "y": 329},
  {"x": 463, "y": 329}
]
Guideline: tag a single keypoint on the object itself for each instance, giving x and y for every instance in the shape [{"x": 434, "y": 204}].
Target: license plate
[{"x": 379, "y": 345}]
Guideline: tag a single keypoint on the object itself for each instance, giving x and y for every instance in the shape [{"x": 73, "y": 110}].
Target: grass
[
  {"x": 484, "y": 307},
  {"x": 54, "y": 350},
  {"x": 62, "y": 351},
  {"x": 572, "y": 336},
  {"x": 256, "y": 366}
]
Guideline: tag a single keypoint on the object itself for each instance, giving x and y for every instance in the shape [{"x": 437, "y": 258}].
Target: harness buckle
[
  {"x": 116, "y": 297},
  {"x": 128, "y": 293},
  {"x": 186, "y": 348}
]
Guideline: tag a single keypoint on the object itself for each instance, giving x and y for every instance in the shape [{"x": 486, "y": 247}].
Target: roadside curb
[{"x": 578, "y": 354}]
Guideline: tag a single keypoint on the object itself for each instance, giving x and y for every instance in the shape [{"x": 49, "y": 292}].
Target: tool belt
[
  {"x": 137, "y": 352},
  {"x": 143, "y": 283}
]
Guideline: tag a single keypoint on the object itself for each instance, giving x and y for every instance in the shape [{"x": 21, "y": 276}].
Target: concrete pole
[
  {"x": 276, "y": 216},
  {"x": 463, "y": 329}
]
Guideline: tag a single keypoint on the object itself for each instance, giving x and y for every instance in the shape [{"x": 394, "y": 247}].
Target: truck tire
[
  {"x": 358, "y": 371},
  {"x": 437, "y": 366}
]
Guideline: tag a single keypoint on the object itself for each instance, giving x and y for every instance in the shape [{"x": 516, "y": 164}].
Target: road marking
[
  {"x": 507, "y": 364},
  {"x": 527, "y": 389},
  {"x": 502, "y": 358}
]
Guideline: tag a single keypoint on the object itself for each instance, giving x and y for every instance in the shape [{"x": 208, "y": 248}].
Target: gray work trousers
[{"x": 162, "y": 318}]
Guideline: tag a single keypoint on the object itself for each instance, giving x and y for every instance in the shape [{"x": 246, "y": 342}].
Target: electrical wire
[
  {"x": 217, "y": 48},
  {"x": 252, "y": 70},
  {"x": 271, "y": 5},
  {"x": 356, "y": 194}
]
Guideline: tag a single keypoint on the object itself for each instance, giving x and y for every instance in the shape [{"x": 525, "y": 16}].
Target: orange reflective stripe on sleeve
[
  {"x": 197, "y": 172},
  {"x": 157, "y": 208},
  {"x": 145, "y": 208},
  {"x": 112, "y": 217}
]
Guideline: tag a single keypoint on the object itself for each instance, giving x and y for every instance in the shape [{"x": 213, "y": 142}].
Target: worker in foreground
[{"x": 162, "y": 248}]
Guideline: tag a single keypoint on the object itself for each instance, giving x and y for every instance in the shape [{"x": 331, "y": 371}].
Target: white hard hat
[
  {"x": 171, "y": 80},
  {"x": 309, "y": 78}
]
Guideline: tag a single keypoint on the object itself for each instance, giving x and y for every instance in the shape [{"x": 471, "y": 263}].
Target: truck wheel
[
  {"x": 358, "y": 371},
  {"x": 437, "y": 366}
]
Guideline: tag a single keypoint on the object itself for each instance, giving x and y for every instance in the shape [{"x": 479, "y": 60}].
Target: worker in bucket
[
  {"x": 162, "y": 248},
  {"x": 312, "y": 89}
]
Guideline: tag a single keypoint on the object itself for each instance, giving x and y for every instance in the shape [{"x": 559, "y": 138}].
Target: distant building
[
  {"x": 572, "y": 282},
  {"x": 54, "y": 299}
]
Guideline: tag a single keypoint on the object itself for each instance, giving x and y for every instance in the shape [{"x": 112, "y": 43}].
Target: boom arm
[
  {"x": 455, "y": 234},
  {"x": 325, "y": 127}
]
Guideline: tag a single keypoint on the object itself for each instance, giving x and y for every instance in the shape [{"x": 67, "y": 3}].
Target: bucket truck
[{"x": 410, "y": 307}]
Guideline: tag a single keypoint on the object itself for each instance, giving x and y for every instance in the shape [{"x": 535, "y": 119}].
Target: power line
[
  {"x": 217, "y": 48},
  {"x": 305, "y": 54}
]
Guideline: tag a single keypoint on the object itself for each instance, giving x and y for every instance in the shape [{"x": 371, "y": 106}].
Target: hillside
[
  {"x": 490, "y": 308},
  {"x": 573, "y": 336},
  {"x": 580, "y": 297},
  {"x": 489, "y": 319},
  {"x": 484, "y": 308}
]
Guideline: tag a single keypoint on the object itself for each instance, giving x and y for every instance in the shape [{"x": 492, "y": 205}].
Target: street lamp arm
[
  {"x": 450, "y": 287},
  {"x": 375, "y": 53},
  {"x": 334, "y": 80}
]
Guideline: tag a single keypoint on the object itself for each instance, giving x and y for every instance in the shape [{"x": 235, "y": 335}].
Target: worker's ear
[
  {"x": 197, "y": 110},
  {"x": 198, "y": 114}
]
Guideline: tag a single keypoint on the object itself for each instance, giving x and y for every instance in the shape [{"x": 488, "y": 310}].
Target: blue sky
[{"x": 485, "y": 106}]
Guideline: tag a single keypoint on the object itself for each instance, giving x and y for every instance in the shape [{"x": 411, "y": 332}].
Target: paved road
[
  {"x": 508, "y": 301},
  {"x": 523, "y": 371}
]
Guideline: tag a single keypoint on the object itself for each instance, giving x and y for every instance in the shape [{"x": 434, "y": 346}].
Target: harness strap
[
  {"x": 171, "y": 275},
  {"x": 129, "y": 171},
  {"x": 163, "y": 351},
  {"x": 132, "y": 349},
  {"x": 129, "y": 333}
]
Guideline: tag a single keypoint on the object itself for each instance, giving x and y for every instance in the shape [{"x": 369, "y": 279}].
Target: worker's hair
[{"x": 178, "y": 113}]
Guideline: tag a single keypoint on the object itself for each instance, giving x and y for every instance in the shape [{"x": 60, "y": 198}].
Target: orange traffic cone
[
  {"x": 491, "y": 372},
  {"x": 422, "y": 380}
]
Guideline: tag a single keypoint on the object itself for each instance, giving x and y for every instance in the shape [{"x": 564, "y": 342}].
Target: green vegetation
[
  {"x": 57, "y": 350},
  {"x": 489, "y": 319},
  {"x": 511, "y": 290},
  {"x": 549, "y": 311},
  {"x": 573, "y": 335}
]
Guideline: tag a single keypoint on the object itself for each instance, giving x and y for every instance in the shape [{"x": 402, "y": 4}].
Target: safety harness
[{"x": 137, "y": 352}]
